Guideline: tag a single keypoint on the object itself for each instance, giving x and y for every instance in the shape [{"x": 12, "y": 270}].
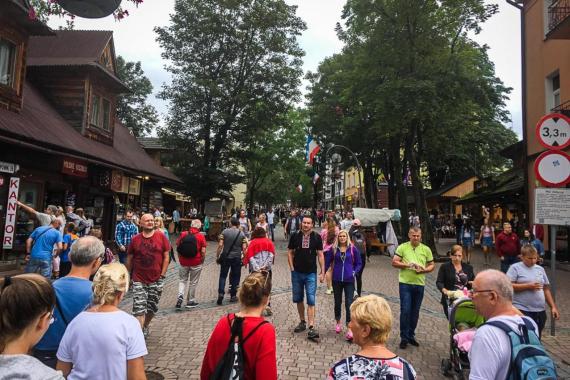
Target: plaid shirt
[{"x": 124, "y": 233}]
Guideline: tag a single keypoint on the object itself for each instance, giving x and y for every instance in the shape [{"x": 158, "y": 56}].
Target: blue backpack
[{"x": 529, "y": 359}]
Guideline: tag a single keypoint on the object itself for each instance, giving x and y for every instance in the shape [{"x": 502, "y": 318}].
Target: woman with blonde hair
[
  {"x": 159, "y": 225},
  {"x": 258, "y": 343},
  {"x": 26, "y": 312},
  {"x": 104, "y": 334},
  {"x": 345, "y": 260},
  {"x": 371, "y": 324}
]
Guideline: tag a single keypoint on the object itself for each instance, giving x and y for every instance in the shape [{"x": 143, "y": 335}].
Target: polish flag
[{"x": 311, "y": 149}]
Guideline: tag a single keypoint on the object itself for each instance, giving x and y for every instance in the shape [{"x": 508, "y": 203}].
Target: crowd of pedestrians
[{"x": 74, "y": 324}]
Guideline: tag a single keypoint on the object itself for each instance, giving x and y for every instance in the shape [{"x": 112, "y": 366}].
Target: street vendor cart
[{"x": 370, "y": 219}]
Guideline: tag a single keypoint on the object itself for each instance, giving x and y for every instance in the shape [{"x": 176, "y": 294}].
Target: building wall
[
  {"x": 239, "y": 193},
  {"x": 543, "y": 58}
]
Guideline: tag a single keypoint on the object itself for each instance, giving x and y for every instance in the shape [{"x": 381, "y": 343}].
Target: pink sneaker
[
  {"x": 349, "y": 336},
  {"x": 338, "y": 328}
]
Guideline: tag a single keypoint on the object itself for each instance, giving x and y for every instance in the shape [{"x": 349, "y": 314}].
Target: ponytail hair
[
  {"x": 255, "y": 288},
  {"x": 110, "y": 281},
  {"x": 23, "y": 299}
]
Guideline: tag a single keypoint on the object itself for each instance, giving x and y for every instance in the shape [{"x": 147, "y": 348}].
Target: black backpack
[
  {"x": 188, "y": 247},
  {"x": 231, "y": 365}
]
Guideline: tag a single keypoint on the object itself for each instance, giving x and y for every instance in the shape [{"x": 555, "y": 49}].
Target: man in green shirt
[{"x": 414, "y": 260}]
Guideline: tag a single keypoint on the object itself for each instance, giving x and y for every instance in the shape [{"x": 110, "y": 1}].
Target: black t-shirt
[{"x": 305, "y": 251}]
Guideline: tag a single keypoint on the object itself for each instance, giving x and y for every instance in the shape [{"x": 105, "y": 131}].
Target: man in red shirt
[
  {"x": 508, "y": 247},
  {"x": 147, "y": 261},
  {"x": 191, "y": 267}
]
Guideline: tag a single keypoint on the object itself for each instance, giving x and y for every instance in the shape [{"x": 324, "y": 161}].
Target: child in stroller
[{"x": 463, "y": 321}]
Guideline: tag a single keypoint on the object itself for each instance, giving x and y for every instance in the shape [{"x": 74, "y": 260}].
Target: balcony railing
[
  {"x": 563, "y": 108},
  {"x": 558, "y": 11}
]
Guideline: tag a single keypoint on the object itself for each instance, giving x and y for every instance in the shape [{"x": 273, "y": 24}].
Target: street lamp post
[{"x": 358, "y": 168}]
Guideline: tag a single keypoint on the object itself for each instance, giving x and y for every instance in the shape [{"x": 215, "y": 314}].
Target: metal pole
[{"x": 553, "y": 275}]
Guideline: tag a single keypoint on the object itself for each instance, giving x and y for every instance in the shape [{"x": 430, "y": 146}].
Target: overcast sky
[{"x": 135, "y": 41}]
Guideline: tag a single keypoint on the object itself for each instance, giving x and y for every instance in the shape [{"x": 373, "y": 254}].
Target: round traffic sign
[
  {"x": 553, "y": 131},
  {"x": 552, "y": 168}
]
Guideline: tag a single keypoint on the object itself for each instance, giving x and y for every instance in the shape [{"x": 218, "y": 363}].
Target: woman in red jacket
[
  {"x": 259, "y": 347},
  {"x": 260, "y": 256}
]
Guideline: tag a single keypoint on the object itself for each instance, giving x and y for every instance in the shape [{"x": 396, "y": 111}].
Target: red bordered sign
[
  {"x": 552, "y": 168},
  {"x": 553, "y": 131}
]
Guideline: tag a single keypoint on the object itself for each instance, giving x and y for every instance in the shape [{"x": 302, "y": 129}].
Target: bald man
[
  {"x": 148, "y": 256},
  {"x": 490, "y": 355}
]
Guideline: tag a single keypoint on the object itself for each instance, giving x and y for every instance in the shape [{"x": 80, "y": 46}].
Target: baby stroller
[{"x": 462, "y": 312}]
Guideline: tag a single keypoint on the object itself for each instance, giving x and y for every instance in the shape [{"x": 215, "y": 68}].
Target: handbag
[{"x": 225, "y": 253}]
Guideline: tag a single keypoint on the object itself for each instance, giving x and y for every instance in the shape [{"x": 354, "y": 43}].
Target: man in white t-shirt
[
  {"x": 346, "y": 223},
  {"x": 490, "y": 354},
  {"x": 271, "y": 222}
]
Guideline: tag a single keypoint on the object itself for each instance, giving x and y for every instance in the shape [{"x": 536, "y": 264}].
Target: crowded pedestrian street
[{"x": 178, "y": 339}]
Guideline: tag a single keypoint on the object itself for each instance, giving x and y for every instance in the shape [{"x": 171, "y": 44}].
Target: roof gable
[{"x": 70, "y": 47}]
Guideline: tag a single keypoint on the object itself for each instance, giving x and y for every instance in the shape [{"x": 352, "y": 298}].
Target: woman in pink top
[{"x": 329, "y": 233}]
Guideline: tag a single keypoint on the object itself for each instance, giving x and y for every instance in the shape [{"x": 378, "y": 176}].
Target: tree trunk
[
  {"x": 402, "y": 193},
  {"x": 368, "y": 183},
  {"x": 419, "y": 194}
]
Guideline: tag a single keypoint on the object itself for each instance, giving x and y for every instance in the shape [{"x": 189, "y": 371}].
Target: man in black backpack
[{"x": 191, "y": 248}]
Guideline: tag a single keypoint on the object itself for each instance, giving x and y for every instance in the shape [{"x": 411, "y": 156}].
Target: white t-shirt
[
  {"x": 490, "y": 353},
  {"x": 345, "y": 224},
  {"x": 99, "y": 345},
  {"x": 270, "y": 216}
]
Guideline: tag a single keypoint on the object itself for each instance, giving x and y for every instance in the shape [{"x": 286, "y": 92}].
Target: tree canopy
[
  {"x": 236, "y": 65},
  {"x": 412, "y": 93},
  {"x": 132, "y": 108}
]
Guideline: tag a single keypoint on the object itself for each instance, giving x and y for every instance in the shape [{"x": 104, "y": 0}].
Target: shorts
[
  {"x": 466, "y": 242},
  {"x": 146, "y": 297},
  {"x": 306, "y": 282},
  {"x": 487, "y": 241}
]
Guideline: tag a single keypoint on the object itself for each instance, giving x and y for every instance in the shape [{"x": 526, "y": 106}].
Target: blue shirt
[
  {"x": 69, "y": 240},
  {"x": 124, "y": 233},
  {"x": 74, "y": 295},
  {"x": 43, "y": 242}
]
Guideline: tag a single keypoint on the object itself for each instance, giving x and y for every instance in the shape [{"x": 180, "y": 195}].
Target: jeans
[
  {"x": 122, "y": 257},
  {"x": 306, "y": 282},
  {"x": 39, "y": 266},
  {"x": 338, "y": 288},
  {"x": 359, "y": 275},
  {"x": 411, "y": 297},
  {"x": 507, "y": 262},
  {"x": 272, "y": 231},
  {"x": 234, "y": 267}
]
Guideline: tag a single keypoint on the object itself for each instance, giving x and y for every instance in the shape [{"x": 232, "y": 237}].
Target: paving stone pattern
[{"x": 178, "y": 338}]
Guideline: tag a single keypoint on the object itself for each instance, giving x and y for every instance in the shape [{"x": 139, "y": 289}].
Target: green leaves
[
  {"x": 132, "y": 108},
  {"x": 236, "y": 67}
]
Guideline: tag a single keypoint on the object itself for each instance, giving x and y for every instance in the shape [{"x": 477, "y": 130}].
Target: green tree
[
  {"x": 414, "y": 92},
  {"x": 276, "y": 161},
  {"x": 132, "y": 108},
  {"x": 234, "y": 63}
]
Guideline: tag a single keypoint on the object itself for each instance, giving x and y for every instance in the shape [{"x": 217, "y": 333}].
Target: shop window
[
  {"x": 100, "y": 112},
  {"x": 7, "y": 63}
]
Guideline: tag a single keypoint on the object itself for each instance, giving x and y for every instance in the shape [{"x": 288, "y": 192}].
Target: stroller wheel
[{"x": 446, "y": 367}]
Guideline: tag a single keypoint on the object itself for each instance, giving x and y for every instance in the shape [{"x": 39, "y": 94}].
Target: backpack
[
  {"x": 188, "y": 247},
  {"x": 231, "y": 365},
  {"x": 358, "y": 240},
  {"x": 529, "y": 359}
]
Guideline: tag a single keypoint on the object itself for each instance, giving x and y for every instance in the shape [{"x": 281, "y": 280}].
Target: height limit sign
[
  {"x": 553, "y": 131},
  {"x": 552, "y": 167}
]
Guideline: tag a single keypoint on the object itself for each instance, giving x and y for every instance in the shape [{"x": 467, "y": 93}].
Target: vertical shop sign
[{"x": 11, "y": 213}]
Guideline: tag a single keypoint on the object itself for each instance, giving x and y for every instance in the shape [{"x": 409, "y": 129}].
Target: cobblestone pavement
[{"x": 178, "y": 339}]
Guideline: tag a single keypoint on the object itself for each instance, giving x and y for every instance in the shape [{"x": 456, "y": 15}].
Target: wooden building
[{"x": 59, "y": 135}]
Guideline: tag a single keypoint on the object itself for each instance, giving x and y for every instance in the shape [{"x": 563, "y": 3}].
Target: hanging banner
[{"x": 10, "y": 225}]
